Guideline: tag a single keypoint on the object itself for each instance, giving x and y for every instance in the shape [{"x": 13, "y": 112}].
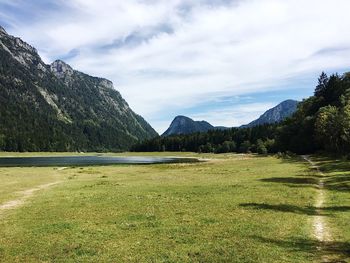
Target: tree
[
  {"x": 322, "y": 85},
  {"x": 245, "y": 147},
  {"x": 327, "y": 128},
  {"x": 260, "y": 147},
  {"x": 271, "y": 146},
  {"x": 2, "y": 141},
  {"x": 232, "y": 146},
  {"x": 207, "y": 148},
  {"x": 345, "y": 128}
]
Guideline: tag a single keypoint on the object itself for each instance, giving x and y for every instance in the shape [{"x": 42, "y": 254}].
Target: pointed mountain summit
[
  {"x": 3, "y": 31},
  {"x": 60, "y": 69},
  {"x": 56, "y": 108}
]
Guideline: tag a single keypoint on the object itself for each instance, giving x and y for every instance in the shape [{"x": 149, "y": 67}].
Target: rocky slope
[
  {"x": 56, "y": 108},
  {"x": 276, "y": 114}
]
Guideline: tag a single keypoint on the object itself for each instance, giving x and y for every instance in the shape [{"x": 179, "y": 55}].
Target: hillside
[
  {"x": 56, "y": 108},
  {"x": 185, "y": 125},
  {"x": 276, "y": 114}
]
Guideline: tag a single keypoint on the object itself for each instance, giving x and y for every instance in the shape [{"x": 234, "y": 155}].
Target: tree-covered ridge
[
  {"x": 321, "y": 123},
  {"x": 55, "y": 108}
]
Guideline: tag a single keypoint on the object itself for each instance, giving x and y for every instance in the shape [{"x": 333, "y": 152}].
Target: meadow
[{"x": 229, "y": 208}]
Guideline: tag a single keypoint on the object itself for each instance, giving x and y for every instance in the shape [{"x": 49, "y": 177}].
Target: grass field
[{"x": 232, "y": 208}]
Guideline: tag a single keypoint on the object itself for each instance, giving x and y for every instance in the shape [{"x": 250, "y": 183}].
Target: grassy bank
[{"x": 233, "y": 208}]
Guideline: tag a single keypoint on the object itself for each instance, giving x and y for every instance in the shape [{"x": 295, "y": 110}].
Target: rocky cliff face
[
  {"x": 185, "y": 125},
  {"x": 56, "y": 108},
  {"x": 61, "y": 70},
  {"x": 276, "y": 114}
]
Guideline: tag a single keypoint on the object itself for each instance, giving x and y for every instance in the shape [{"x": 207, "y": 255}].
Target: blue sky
[{"x": 218, "y": 60}]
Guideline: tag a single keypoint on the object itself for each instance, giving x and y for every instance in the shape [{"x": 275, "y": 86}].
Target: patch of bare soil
[{"x": 25, "y": 195}]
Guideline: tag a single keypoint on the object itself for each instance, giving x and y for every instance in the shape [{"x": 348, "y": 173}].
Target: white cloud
[{"x": 194, "y": 50}]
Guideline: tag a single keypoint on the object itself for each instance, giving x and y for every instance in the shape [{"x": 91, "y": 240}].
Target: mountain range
[
  {"x": 56, "y": 108},
  {"x": 185, "y": 125}
]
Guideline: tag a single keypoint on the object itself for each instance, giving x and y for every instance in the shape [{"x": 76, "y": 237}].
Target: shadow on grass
[
  {"x": 291, "y": 159},
  {"x": 335, "y": 251},
  {"x": 309, "y": 210},
  {"x": 334, "y": 182},
  {"x": 331, "y": 166},
  {"x": 281, "y": 208},
  {"x": 314, "y": 175},
  {"x": 292, "y": 180},
  {"x": 338, "y": 183}
]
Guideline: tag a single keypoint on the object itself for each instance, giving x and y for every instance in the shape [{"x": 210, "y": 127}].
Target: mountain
[
  {"x": 56, "y": 108},
  {"x": 185, "y": 125},
  {"x": 276, "y": 114}
]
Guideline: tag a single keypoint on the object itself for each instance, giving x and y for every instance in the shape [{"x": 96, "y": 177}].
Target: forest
[
  {"x": 321, "y": 123},
  {"x": 40, "y": 112}
]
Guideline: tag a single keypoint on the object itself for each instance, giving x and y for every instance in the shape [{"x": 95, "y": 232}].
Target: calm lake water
[{"x": 87, "y": 160}]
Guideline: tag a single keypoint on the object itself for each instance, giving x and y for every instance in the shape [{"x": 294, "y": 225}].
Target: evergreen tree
[{"x": 322, "y": 84}]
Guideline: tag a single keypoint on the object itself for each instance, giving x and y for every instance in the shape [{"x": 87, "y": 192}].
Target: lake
[{"x": 87, "y": 160}]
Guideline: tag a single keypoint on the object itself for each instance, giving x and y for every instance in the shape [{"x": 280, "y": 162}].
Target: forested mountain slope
[{"x": 55, "y": 108}]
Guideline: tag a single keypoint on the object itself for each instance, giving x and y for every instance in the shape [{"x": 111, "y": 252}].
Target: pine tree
[{"x": 322, "y": 84}]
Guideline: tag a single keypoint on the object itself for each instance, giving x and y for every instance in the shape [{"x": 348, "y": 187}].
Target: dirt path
[
  {"x": 320, "y": 229},
  {"x": 25, "y": 195}
]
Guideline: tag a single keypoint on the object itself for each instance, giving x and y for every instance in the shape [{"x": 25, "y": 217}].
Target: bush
[
  {"x": 245, "y": 147},
  {"x": 260, "y": 147}
]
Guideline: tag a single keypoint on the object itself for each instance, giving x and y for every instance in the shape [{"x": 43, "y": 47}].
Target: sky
[{"x": 222, "y": 61}]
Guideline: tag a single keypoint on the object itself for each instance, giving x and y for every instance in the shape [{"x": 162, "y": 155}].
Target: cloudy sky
[{"x": 219, "y": 60}]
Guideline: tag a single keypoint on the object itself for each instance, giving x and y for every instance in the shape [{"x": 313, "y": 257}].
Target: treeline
[
  {"x": 257, "y": 139},
  {"x": 321, "y": 123}
]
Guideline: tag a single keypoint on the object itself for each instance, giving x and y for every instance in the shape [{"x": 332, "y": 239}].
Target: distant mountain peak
[
  {"x": 61, "y": 69},
  {"x": 61, "y": 63},
  {"x": 185, "y": 125},
  {"x": 65, "y": 72},
  {"x": 276, "y": 114},
  {"x": 18, "y": 49},
  {"x": 180, "y": 119},
  {"x": 17, "y": 44},
  {"x": 3, "y": 31}
]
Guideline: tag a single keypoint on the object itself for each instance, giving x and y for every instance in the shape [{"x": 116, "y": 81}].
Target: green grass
[
  {"x": 337, "y": 206},
  {"x": 232, "y": 209}
]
